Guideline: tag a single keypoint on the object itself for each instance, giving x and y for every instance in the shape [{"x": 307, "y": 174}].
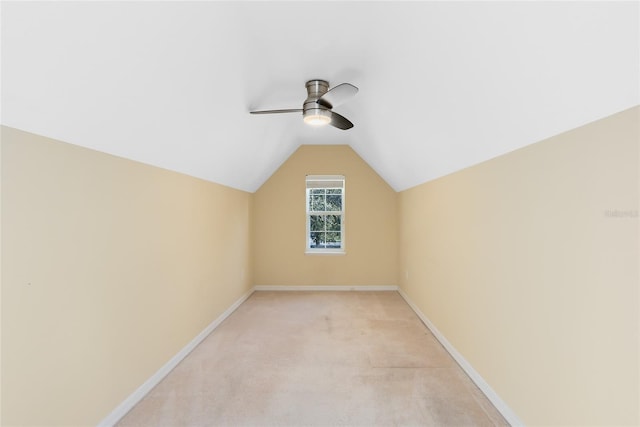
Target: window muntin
[{"x": 325, "y": 213}]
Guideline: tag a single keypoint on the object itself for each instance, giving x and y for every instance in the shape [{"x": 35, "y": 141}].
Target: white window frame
[{"x": 319, "y": 181}]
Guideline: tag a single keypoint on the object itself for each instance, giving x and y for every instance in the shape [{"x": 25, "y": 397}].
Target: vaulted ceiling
[{"x": 443, "y": 85}]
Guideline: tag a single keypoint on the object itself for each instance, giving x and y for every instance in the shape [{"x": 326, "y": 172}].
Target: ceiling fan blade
[
  {"x": 340, "y": 122},
  {"x": 337, "y": 95},
  {"x": 291, "y": 110}
]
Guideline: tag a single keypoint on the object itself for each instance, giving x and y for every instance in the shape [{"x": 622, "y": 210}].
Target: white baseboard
[
  {"x": 135, "y": 397},
  {"x": 326, "y": 288},
  {"x": 500, "y": 405}
]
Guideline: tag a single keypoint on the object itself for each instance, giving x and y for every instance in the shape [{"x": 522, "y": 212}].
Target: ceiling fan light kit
[
  {"x": 317, "y": 108},
  {"x": 316, "y": 117}
]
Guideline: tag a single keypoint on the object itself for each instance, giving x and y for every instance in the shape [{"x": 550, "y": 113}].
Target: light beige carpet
[{"x": 317, "y": 359}]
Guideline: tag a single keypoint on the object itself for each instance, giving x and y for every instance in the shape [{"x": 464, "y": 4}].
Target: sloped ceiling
[{"x": 443, "y": 85}]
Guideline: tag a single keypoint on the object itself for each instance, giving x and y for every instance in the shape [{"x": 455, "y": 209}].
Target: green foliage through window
[{"x": 325, "y": 210}]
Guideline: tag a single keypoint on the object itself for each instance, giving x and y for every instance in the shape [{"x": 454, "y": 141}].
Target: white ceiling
[{"x": 443, "y": 85}]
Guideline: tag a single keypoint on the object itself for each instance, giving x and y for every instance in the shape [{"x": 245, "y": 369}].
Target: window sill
[{"x": 324, "y": 252}]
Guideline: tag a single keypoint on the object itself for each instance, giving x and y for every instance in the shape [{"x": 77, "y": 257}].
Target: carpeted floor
[{"x": 317, "y": 359}]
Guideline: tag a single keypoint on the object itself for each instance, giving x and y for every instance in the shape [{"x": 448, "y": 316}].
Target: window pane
[
  {"x": 334, "y": 202},
  {"x": 316, "y": 222},
  {"x": 325, "y": 195},
  {"x": 333, "y": 222},
  {"x": 316, "y": 202},
  {"x": 333, "y": 240},
  {"x": 317, "y": 240}
]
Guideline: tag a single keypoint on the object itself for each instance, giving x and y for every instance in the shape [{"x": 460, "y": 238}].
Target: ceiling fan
[{"x": 317, "y": 108}]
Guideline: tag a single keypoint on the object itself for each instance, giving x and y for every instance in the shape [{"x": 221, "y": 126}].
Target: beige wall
[
  {"x": 109, "y": 268},
  {"x": 370, "y": 224},
  {"x": 521, "y": 264}
]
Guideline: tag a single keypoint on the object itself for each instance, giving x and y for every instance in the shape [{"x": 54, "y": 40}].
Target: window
[{"x": 325, "y": 214}]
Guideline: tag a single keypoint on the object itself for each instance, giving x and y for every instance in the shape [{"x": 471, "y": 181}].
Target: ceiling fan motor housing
[
  {"x": 313, "y": 112},
  {"x": 315, "y": 89}
]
